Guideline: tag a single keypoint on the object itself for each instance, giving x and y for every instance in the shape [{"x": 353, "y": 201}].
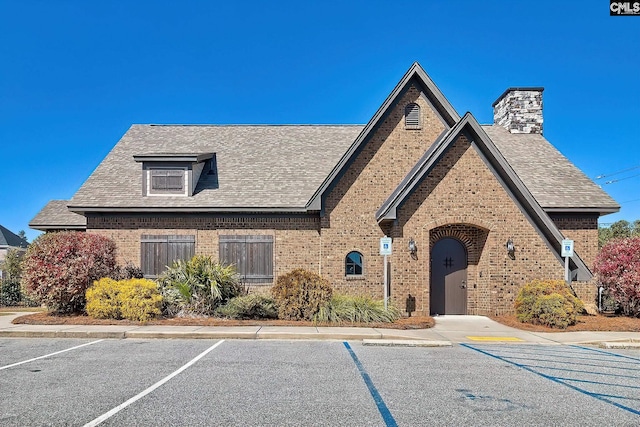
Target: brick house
[{"x": 474, "y": 211}]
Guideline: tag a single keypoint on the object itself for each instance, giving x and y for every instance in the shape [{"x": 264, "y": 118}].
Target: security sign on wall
[
  {"x": 567, "y": 248},
  {"x": 385, "y": 245}
]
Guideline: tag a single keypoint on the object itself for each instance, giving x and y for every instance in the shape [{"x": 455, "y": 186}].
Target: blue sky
[{"x": 74, "y": 75}]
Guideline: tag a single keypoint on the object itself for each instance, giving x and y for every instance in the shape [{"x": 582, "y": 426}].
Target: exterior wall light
[
  {"x": 511, "y": 249},
  {"x": 413, "y": 249}
]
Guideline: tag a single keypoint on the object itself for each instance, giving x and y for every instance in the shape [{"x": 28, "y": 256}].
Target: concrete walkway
[{"x": 448, "y": 330}]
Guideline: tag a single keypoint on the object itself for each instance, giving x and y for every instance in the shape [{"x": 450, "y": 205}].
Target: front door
[{"x": 448, "y": 289}]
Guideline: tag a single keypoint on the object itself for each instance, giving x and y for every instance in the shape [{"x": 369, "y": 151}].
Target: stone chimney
[{"x": 519, "y": 110}]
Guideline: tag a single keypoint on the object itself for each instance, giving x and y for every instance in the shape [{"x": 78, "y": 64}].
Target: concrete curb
[
  {"x": 406, "y": 343},
  {"x": 629, "y": 345}
]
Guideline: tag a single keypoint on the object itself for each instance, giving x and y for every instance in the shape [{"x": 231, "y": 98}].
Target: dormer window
[
  {"x": 173, "y": 174},
  {"x": 412, "y": 116}
]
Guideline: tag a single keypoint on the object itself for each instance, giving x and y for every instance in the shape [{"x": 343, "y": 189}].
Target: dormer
[{"x": 172, "y": 174}]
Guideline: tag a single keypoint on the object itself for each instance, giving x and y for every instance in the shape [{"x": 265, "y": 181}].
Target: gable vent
[{"x": 412, "y": 116}]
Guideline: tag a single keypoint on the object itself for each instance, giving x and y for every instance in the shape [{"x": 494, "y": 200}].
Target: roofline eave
[
  {"x": 595, "y": 210},
  {"x": 198, "y": 209}
]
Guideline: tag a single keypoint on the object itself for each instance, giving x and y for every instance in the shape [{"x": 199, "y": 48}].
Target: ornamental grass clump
[
  {"x": 356, "y": 309},
  {"x": 198, "y": 286},
  {"x": 252, "y": 306},
  {"x": 132, "y": 299},
  {"x": 299, "y": 294},
  {"x": 549, "y": 303}
]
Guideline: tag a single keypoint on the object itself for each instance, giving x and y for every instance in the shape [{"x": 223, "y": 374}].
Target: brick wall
[
  {"x": 349, "y": 223},
  {"x": 461, "y": 190},
  {"x": 296, "y": 238},
  {"x": 583, "y": 230}
]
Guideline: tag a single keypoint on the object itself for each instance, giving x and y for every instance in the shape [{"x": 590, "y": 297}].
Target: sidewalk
[{"x": 447, "y": 331}]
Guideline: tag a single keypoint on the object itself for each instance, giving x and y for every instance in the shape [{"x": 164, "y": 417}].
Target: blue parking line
[
  {"x": 555, "y": 380},
  {"x": 551, "y": 368},
  {"x": 572, "y": 360},
  {"x": 607, "y": 353},
  {"x": 384, "y": 411},
  {"x": 597, "y": 382}
]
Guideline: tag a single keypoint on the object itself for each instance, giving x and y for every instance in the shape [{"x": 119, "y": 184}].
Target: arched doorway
[{"x": 448, "y": 288}]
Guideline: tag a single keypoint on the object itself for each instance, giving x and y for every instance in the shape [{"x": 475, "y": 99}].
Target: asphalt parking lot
[{"x": 74, "y": 382}]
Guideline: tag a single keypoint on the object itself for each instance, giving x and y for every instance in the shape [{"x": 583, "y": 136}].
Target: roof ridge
[{"x": 249, "y": 125}]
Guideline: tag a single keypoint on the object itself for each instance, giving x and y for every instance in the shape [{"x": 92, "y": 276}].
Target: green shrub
[
  {"x": 132, "y": 299},
  {"x": 356, "y": 309},
  {"x": 252, "y": 306},
  {"x": 548, "y": 302},
  {"x": 128, "y": 271},
  {"x": 10, "y": 292},
  {"x": 59, "y": 267},
  {"x": 198, "y": 286},
  {"x": 299, "y": 294}
]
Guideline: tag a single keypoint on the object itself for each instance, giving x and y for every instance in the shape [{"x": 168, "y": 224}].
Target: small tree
[
  {"x": 12, "y": 264},
  {"x": 59, "y": 267},
  {"x": 10, "y": 289},
  {"x": 618, "y": 268},
  {"x": 618, "y": 230}
]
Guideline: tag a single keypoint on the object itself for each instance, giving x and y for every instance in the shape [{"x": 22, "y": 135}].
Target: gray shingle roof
[
  {"x": 552, "y": 179},
  {"x": 269, "y": 167},
  {"x": 55, "y": 215},
  {"x": 8, "y": 238},
  {"x": 260, "y": 167}
]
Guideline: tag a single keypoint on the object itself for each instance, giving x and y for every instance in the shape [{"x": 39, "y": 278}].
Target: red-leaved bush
[
  {"x": 618, "y": 269},
  {"x": 59, "y": 267}
]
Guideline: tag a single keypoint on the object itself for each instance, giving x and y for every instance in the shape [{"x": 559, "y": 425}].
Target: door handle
[{"x": 463, "y": 285}]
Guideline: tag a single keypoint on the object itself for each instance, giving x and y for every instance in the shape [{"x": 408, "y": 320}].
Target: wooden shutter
[
  {"x": 158, "y": 252},
  {"x": 251, "y": 255},
  {"x": 167, "y": 180},
  {"x": 412, "y": 116}
]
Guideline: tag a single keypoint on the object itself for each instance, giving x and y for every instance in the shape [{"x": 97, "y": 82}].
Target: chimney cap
[{"x": 513, "y": 89}]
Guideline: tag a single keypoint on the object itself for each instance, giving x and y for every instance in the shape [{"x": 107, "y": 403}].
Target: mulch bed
[
  {"x": 51, "y": 319},
  {"x": 585, "y": 323}
]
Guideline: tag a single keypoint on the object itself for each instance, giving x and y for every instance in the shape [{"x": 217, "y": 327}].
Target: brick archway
[{"x": 472, "y": 237}]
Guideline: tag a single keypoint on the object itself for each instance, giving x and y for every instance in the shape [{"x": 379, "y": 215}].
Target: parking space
[
  {"x": 610, "y": 377},
  {"x": 247, "y": 382}
]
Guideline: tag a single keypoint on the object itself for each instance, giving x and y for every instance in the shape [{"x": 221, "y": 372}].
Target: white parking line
[
  {"x": 143, "y": 393},
  {"x": 48, "y": 355}
]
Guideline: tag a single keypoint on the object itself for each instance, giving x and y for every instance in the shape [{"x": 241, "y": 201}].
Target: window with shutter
[
  {"x": 251, "y": 255},
  {"x": 158, "y": 252},
  {"x": 412, "y": 116},
  {"x": 167, "y": 181}
]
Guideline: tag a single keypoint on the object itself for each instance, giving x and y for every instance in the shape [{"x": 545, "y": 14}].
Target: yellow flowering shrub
[
  {"x": 102, "y": 299},
  {"x": 133, "y": 299},
  {"x": 140, "y": 299}
]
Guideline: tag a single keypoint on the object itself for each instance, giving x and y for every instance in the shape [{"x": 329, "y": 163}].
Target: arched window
[
  {"x": 353, "y": 264},
  {"x": 412, "y": 116}
]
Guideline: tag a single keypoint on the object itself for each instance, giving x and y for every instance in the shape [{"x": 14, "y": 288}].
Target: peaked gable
[
  {"x": 440, "y": 104},
  {"x": 10, "y": 239},
  {"x": 469, "y": 127}
]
